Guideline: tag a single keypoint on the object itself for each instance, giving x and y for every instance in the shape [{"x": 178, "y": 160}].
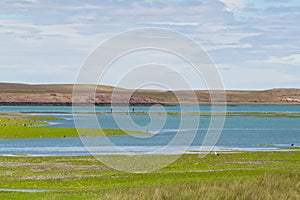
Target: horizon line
[{"x": 196, "y": 89}]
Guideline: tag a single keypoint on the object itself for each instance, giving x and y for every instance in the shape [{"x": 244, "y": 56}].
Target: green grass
[
  {"x": 49, "y": 132},
  {"x": 11, "y": 127},
  {"x": 248, "y": 175},
  {"x": 270, "y": 186}
]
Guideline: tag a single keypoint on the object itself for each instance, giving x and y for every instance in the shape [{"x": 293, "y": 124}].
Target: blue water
[
  {"x": 190, "y": 108},
  {"x": 242, "y": 133}
]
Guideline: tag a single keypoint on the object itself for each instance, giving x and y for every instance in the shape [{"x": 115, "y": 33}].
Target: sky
[{"x": 255, "y": 44}]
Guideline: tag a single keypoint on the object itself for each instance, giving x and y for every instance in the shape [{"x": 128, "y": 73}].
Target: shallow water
[
  {"x": 247, "y": 133},
  {"x": 189, "y": 108},
  {"x": 22, "y": 190}
]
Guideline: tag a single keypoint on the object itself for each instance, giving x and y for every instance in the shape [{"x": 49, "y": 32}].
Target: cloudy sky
[{"x": 255, "y": 44}]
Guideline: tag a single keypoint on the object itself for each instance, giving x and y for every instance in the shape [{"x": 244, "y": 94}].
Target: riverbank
[{"x": 247, "y": 175}]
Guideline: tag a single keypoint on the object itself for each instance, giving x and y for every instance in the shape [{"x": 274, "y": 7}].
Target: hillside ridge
[{"x": 61, "y": 94}]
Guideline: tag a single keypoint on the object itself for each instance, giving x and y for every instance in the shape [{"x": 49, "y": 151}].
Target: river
[{"x": 245, "y": 133}]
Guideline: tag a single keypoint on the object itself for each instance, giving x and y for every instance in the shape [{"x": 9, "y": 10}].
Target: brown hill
[{"x": 61, "y": 94}]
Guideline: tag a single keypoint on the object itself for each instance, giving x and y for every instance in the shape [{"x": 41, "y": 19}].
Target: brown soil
[{"x": 23, "y": 94}]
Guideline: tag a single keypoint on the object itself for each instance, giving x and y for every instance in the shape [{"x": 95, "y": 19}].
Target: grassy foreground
[
  {"x": 247, "y": 175},
  {"x": 20, "y": 126}
]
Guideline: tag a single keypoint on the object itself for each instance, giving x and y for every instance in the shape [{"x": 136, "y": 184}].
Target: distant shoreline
[
  {"x": 141, "y": 104},
  {"x": 62, "y": 95}
]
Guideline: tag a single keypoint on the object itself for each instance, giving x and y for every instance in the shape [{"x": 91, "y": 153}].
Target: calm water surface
[{"x": 243, "y": 133}]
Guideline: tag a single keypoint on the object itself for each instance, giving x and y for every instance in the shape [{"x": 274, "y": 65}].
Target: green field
[
  {"x": 12, "y": 126},
  {"x": 256, "y": 175}
]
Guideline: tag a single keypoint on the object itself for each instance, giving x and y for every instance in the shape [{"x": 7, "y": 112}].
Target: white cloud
[
  {"x": 171, "y": 23},
  {"x": 259, "y": 78},
  {"x": 234, "y": 6},
  {"x": 39, "y": 34},
  {"x": 293, "y": 59}
]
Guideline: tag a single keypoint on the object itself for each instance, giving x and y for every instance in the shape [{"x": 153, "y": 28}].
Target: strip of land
[
  {"x": 228, "y": 114},
  {"x": 23, "y": 126},
  {"x": 61, "y": 94}
]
